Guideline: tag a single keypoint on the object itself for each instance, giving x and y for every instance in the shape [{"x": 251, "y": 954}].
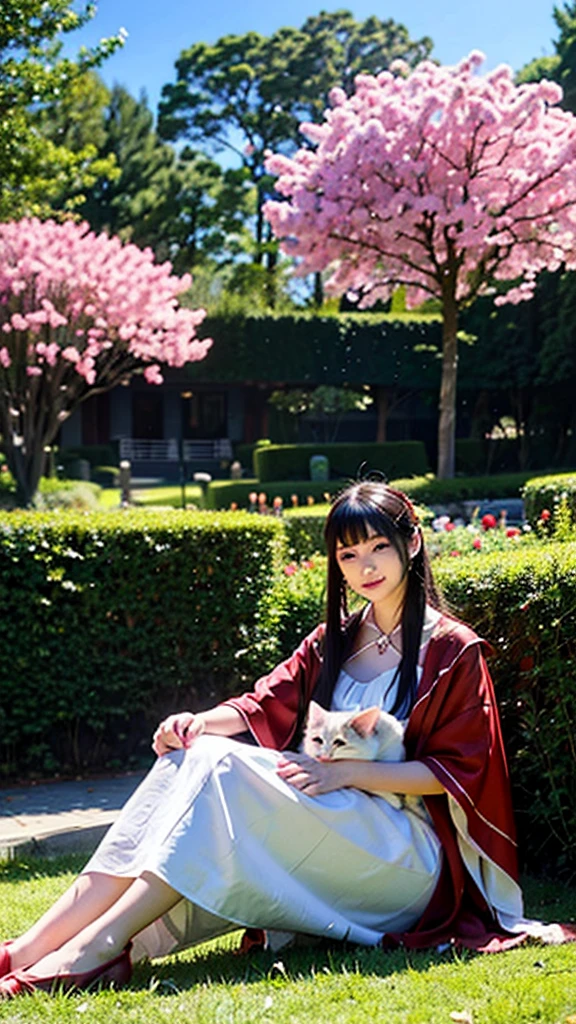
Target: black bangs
[{"x": 359, "y": 516}]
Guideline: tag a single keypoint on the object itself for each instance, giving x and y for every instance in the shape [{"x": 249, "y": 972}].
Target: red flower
[
  {"x": 545, "y": 515},
  {"x": 526, "y": 663},
  {"x": 455, "y": 554},
  {"x": 489, "y": 522},
  {"x": 513, "y": 531},
  {"x": 477, "y": 543},
  {"x": 307, "y": 564},
  {"x": 290, "y": 569},
  {"x": 449, "y": 526}
]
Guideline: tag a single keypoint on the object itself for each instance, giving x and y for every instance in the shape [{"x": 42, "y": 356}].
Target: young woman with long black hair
[{"x": 225, "y": 834}]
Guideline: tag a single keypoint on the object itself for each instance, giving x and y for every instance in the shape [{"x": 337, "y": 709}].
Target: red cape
[{"x": 454, "y": 729}]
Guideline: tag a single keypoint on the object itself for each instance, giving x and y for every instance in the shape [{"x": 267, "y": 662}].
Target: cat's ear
[
  {"x": 365, "y": 722},
  {"x": 316, "y": 714}
]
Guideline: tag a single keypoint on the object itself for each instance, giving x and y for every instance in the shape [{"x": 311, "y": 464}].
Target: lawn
[
  {"x": 355, "y": 985},
  {"x": 149, "y": 497}
]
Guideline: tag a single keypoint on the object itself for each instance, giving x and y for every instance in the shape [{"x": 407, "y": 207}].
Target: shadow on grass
[
  {"x": 222, "y": 966},
  {"x": 218, "y": 962}
]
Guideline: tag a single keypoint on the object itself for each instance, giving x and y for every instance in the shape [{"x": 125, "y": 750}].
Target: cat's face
[{"x": 338, "y": 735}]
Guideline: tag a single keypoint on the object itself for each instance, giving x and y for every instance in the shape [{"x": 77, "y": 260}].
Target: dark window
[
  {"x": 147, "y": 416},
  {"x": 204, "y": 415},
  {"x": 96, "y": 419}
]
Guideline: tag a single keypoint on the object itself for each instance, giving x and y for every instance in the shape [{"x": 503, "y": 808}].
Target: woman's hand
[
  {"x": 310, "y": 776},
  {"x": 177, "y": 732}
]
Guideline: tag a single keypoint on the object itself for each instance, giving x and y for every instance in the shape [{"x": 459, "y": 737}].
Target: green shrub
[
  {"x": 94, "y": 454},
  {"x": 430, "y": 491},
  {"x": 109, "y": 620},
  {"x": 549, "y": 492},
  {"x": 305, "y": 530},
  {"x": 291, "y": 610},
  {"x": 292, "y": 461},
  {"x": 524, "y": 603},
  {"x": 70, "y": 494},
  {"x": 481, "y": 456}
]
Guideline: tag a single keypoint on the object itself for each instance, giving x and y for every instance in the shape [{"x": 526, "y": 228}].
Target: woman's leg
[
  {"x": 85, "y": 901},
  {"x": 146, "y": 899}
]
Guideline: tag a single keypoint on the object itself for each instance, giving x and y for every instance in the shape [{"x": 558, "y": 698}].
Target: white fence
[{"x": 141, "y": 450}]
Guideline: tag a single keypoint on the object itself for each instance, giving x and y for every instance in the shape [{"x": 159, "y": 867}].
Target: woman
[{"x": 223, "y": 834}]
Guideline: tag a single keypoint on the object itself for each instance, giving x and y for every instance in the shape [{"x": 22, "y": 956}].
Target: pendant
[{"x": 383, "y": 643}]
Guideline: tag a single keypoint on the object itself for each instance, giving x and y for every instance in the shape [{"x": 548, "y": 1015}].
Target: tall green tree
[
  {"x": 560, "y": 66},
  {"x": 247, "y": 94},
  {"x": 33, "y": 74},
  {"x": 184, "y": 206}
]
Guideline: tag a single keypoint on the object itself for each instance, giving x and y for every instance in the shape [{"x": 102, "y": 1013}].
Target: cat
[{"x": 368, "y": 735}]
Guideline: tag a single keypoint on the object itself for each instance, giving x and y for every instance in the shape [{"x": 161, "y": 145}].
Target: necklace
[{"x": 382, "y": 642}]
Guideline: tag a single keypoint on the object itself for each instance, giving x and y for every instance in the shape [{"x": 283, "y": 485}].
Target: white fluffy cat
[{"x": 368, "y": 735}]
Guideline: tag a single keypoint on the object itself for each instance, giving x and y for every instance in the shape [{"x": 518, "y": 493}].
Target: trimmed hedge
[
  {"x": 524, "y": 603},
  {"x": 109, "y": 620},
  {"x": 549, "y": 492},
  {"x": 430, "y": 491},
  {"x": 292, "y": 461}
]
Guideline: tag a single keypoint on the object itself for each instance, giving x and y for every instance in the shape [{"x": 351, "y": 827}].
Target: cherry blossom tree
[
  {"x": 447, "y": 182},
  {"x": 79, "y": 313}
]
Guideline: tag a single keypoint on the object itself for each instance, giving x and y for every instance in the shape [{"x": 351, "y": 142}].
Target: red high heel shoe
[
  {"x": 116, "y": 972},
  {"x": 5, "y": 958}
]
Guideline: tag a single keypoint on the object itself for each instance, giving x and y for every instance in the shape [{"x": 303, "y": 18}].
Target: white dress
[{"x": 244, "y": 848}]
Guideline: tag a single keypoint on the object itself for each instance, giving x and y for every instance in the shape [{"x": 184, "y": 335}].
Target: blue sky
[{"x": 507, "y": 31}]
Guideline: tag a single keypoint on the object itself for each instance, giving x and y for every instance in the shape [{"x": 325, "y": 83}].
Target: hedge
[
  {"x": 292, "y": 461},
  {"x": 550, "y": 492},
  {"x": 524, "y": 603},
  {"x": 109, "y": 620},
  {"x": 430, "y": 491}
]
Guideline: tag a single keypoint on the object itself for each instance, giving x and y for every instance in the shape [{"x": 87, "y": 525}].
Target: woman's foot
[
  {"x": 117, "y": 972},
  {"x": 5, "y": 958}
]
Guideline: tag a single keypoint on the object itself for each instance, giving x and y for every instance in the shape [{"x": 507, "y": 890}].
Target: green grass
[
  {"x": 168, "y": 495},
  {"x": 354, "y": 985}
]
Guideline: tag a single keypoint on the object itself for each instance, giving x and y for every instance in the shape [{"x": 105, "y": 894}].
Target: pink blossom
[
  {"x": 33, "y": 371},
  {"x": 5, "y": 359},
  {"x": 290, "y": 569},
  {"x": 449, "y": 526},
  {"x": 152, "y": 375}
]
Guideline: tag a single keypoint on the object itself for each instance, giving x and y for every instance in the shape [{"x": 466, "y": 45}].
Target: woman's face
[{"x": 373, "y": 568}]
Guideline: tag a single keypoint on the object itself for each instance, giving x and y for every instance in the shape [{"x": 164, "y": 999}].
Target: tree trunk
[
  {"x": 447, "y": 419},
  {"x": 318, "y": 290},
  {"x": 382, "y": 410}
]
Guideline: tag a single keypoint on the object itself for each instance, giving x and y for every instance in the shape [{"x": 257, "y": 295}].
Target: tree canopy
[
  {"x": 248, "y": 93},
  {"x": 444, "y": 181},
  {"x": 79, "y": 313},
  {"x": 33, "y": 74}
]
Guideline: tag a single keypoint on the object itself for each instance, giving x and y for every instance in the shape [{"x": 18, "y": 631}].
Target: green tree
[
  {"x": 247, "y": 94},
  {"x": 34, "y": 169},
  {"x": 560, "y": 66},
  {"x": 184, "y": 206}
]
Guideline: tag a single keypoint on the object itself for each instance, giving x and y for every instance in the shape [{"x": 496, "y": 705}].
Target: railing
[{"x": 142, "y": 450}]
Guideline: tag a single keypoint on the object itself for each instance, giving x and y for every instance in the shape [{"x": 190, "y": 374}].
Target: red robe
[{"x": 454, "y": 729}]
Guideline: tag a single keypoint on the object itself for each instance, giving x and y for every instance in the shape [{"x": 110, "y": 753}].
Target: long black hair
[{"x": 360, "y": 511}]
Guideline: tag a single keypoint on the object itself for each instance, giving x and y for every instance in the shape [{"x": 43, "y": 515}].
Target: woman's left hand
[{"x": 310, "y": 776}]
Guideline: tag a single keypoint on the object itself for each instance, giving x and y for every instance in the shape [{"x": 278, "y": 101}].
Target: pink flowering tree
[
  {"x": 79, "y": 313},
  {"x": 449, "y": 183}
]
